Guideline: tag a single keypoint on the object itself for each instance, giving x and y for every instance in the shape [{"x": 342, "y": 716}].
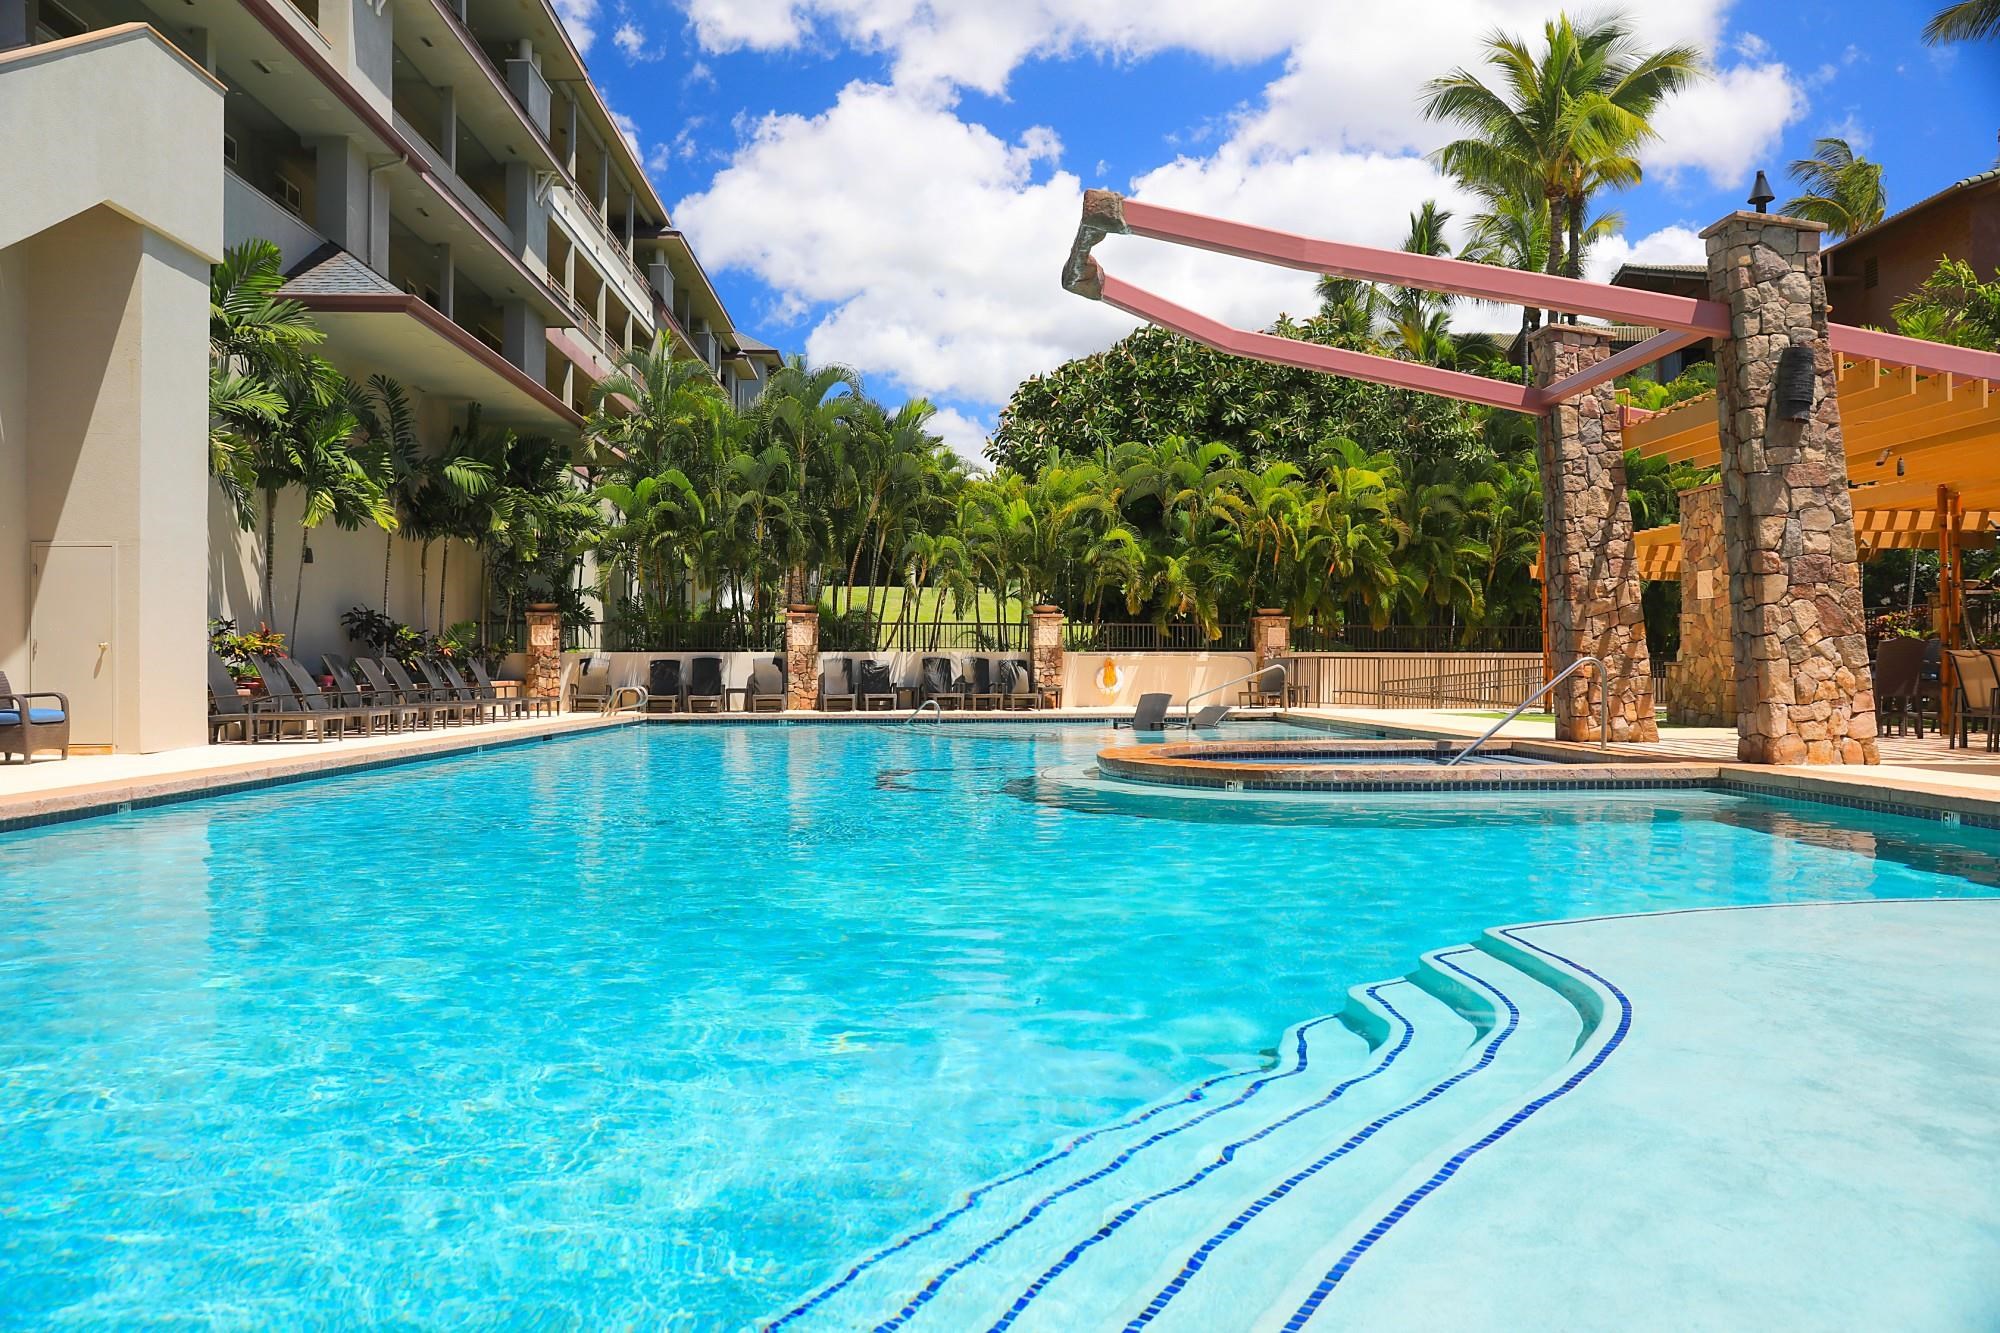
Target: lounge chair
[
  {"x": 836, "y": 686},
  {"x": 1900, "y": 693},
  {"x": 663, "y": 685},
  {"x": 983, "y": 690},
  {"x": 26, "y": 726},
  {"x": 1209, "y": 718},
  {"x": 704, "y": 691},
  {"x": 445, "y": 687},
  {"x": 1151, "y": 714},
  {"x": 384, "y": 691},
  {"x": 347, "y": 693},
  {"x": 939, "y": 683},
  {"x": 229, "y": 710},
  {"x": 1266, "y": 689},
  {"x": 484, "y": 695},
  {"x": 291, "y": 711},
  {"x": 876, "y": 687},
  {"x": 444, "y": 706},
  {"x": 315, "y": 700},
  {"x": 1978, "y": 695},
  {"x": 534, "y": 705},
  {"x": 766, "y": 691},
  {"x": 1015, "y": 685}
]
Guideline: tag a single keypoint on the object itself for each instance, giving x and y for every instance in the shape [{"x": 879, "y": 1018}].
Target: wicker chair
[{"x": 26, "y": 727}]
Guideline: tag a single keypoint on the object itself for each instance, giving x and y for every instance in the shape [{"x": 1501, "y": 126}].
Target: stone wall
[
  {"x": 1592, "y": 569},
  {"x": 802, "y": 658},
  {"x": 1804, "y": 693},
  {"x": 1045, "y": 647},
  {"x": 1701, "y": 684},
  {"x": 545, "y": 661}
]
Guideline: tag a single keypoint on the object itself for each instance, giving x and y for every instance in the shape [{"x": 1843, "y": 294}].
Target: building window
[
  {"x": 1871, "y": 273},
  {"x": 229, "y": 150},
  {"x": 290, "y": 198}
]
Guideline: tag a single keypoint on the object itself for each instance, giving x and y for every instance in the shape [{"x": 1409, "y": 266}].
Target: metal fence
[
  {"x": 1364, "y": 638},
  {"x": 943, "y": 637},
  {"x": 1146, "y": 637},
  {"x": 1417, "y": 680}
]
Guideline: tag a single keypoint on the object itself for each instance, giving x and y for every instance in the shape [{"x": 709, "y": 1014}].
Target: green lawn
[{"x": 889, "y": 605}]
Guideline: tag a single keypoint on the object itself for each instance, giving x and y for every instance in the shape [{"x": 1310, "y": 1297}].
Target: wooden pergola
[{"x": 1923, "y": 457}]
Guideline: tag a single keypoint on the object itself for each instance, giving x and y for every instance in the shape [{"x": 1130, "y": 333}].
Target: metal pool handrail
[
  {"x": 1603, "y": 703},
  {"x": 1187, "y": 705},
  {"x": 918, "y": 712},
  {"x": 626, "y": 696}
]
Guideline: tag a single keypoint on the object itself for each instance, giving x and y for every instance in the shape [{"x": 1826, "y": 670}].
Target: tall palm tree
[
  {"x": 1968, "y": 21},
  {"x": 1562, "y": 124},
  {"x": 418, "y": 484},
  {"x": 1842, "y": 189},
  {"x": 808, "y": 409},
  {"x": 257, "y": 341}
]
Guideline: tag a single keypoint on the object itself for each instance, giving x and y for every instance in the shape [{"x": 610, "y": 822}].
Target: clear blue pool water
[{"x": 663, "y": 1028}]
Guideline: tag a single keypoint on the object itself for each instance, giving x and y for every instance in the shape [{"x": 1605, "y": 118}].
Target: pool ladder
[
  {"x": 1284, "y": 689},
  {"x": 1603, "y": 704},
  {"x": 931, "y": 704}
]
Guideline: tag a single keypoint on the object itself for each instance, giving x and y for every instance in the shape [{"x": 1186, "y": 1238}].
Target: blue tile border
[
  {"x": 1035, "y": 1210},
  {"x": 1196, "y": 1094},
  {"x": 1223, "y": 1157},
  {"x": 1196, "y": 1261},
  {"x": 1335, "y": 1275}
]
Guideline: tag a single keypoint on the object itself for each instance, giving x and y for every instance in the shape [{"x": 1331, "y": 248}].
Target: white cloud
[
  {"x": 628, "y": 128},
  {"x": 930, "y": 247},
  {"x": 1669, "y": 245},
  {"x": 631, "y": 39},
  {"x": 966, "y": 435},
  {"x": 1850, "y": 128},
  {"x": 1729, "y": 125},
  {"x": 579, "y": 16},
  {"x": 1752, "y": 47}
]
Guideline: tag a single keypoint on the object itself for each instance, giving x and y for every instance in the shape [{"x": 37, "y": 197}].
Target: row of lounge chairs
[
  {"x": 367, "y": 697},
  {"x": 845, "y": 685}
]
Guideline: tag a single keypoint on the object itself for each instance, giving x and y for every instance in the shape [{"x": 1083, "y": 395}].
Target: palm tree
[
  {"x": 416, "y": 483},
  {"x": 808, "y": 409},
  {"x": 1968, "y": 21},
  {"x": 255, "y": 340},
  {"x": 1563, "y": 123},
  {"x": 1842, "y": 190}
]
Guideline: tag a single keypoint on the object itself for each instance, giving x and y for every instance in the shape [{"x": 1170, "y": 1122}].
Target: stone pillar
[
  {"x": 1804, "y": 693},
  {"x": 1592, "y": 570},
  {"x": 544, "y": 652},
  {"x": 1701, "y": 688},
  {"x": 1270, "y": 636},
  {"x": 1045, "y": 647},
  {"x": 802, "y": 658}
]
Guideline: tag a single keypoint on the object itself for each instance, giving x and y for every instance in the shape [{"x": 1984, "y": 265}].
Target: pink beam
[
  {"x": 1633, "y": 357},
  {"x": 1488, "y": 282},
  {"x": 1896, "y": 350},
  {"x": 1311, "y": 356}
]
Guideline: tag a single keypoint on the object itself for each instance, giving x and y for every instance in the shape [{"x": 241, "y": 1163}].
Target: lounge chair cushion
[{"x": 38, "y": 716}]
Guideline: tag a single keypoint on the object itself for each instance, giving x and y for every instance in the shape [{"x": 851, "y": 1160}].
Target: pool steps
[{"x": 1227, "y": 1205}]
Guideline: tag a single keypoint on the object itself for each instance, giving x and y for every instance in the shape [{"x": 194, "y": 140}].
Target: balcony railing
[{"x": 250, "y": 214}]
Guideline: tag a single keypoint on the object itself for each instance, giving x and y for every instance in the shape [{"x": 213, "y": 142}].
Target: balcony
[{"x": 250, "y": 214}]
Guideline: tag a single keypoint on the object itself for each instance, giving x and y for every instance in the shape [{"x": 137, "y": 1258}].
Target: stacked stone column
[
  {"x": 1045, "y": 647},
  {"x": 802, "y": 658},
  {"x": 1804, "y": 693},
  {"x": 1592, "y": 570},
  {"x": 1701, "y": 684},
  {"x": 1270, "y": 637},
  {"x": 544, "y": 652}
]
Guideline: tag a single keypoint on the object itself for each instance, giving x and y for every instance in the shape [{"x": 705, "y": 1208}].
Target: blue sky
[{"x": 892, "y": 183}]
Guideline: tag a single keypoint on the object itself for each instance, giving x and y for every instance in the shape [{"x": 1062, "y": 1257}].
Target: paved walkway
[
  {"x": 51, "y": 786},
  {"x": 1798, "y": 1130}
]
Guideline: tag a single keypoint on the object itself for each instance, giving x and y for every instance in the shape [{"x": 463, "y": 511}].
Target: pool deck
[{"x": 1797, "y": 1129}]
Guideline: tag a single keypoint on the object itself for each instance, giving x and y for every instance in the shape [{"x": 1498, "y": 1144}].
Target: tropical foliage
[
  {"x": 1953, "y": 306},
  {"x": 1841, "y": 189},
  {"x": 1967, "y": 21}
]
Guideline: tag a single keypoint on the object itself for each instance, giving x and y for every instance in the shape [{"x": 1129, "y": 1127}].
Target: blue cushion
[{"x": 10, "y": 718}]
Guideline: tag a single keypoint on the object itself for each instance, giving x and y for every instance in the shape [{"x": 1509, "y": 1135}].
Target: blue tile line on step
[
  {"x": 1197, "y": 1260},
  {"x": 1035, "y": 1210},
  {"x": 1198, "y": 1093},
  {"x": 1317, "y": 1297},
  {"x": 1222, "y": 1159}
]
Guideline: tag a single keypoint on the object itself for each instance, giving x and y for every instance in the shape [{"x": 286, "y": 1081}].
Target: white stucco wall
[{"x": 110, "y": 213}]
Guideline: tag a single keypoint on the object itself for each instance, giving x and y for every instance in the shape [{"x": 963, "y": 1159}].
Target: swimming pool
[{"x": 668, "y": 1026}]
